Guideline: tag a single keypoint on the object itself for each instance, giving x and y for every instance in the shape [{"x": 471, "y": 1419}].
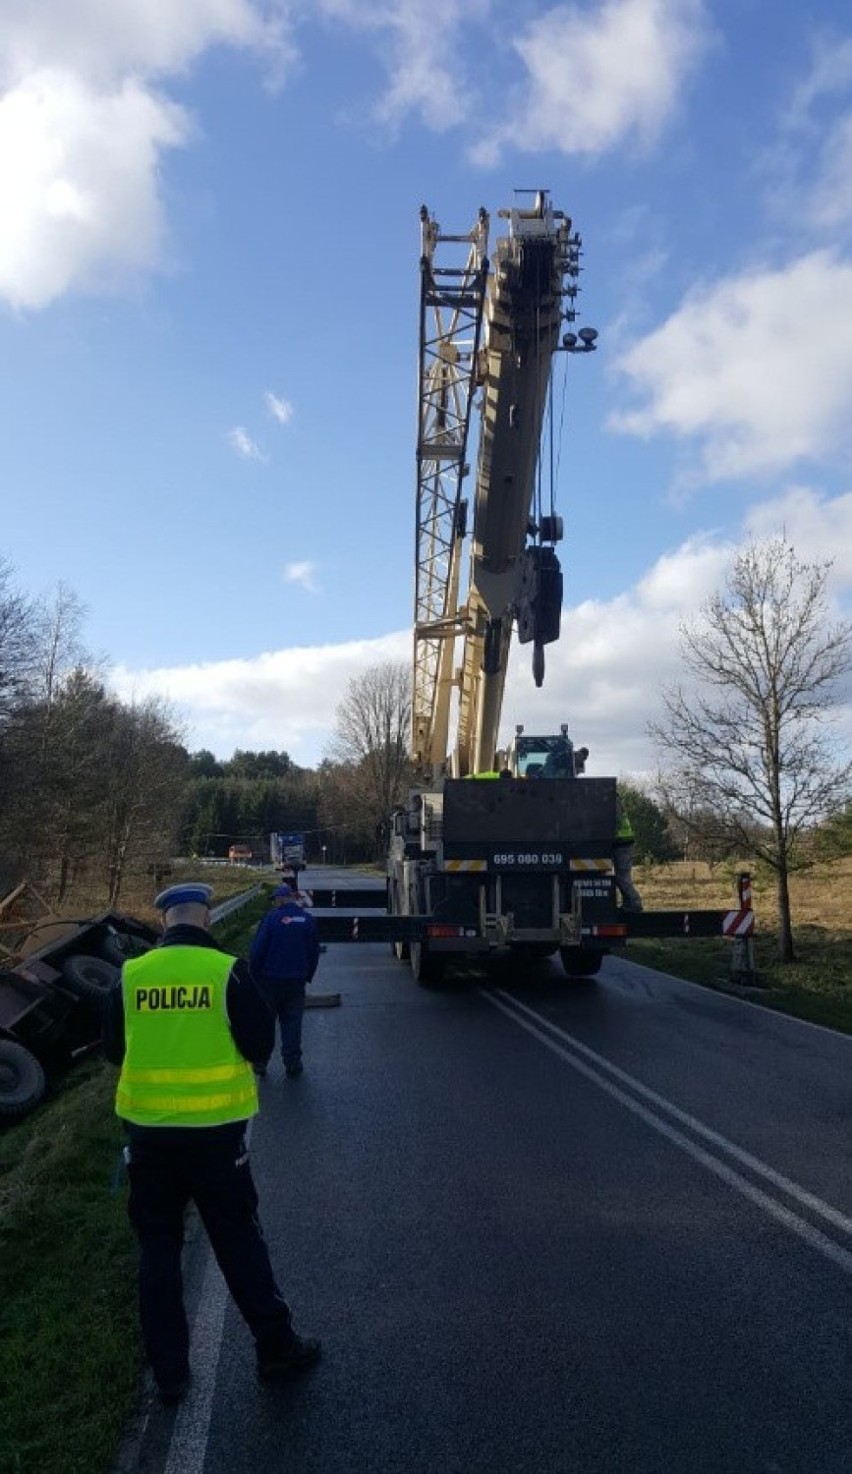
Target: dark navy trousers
[
  {"x": 286, "y": 999},
  {"x": 168, "y": 1167}
]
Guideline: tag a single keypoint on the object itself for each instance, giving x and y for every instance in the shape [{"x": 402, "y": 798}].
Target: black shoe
[
  {"x": 173, "y": 1389},
  {"x": 294, "y": 1070},
  {"x": 299, "y": 1354}
]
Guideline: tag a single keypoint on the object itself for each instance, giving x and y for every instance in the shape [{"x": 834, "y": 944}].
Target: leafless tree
[
  {"x": 143, "y": 781},
  {"x": 751, "y": 736},
  {"x": 58, "y": 623},
  {"x": 372, "y": 727},
  {"x": 17, "y": 641}
]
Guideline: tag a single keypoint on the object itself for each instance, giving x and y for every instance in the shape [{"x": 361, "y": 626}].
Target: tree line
[{"x": 98, "y": 794}]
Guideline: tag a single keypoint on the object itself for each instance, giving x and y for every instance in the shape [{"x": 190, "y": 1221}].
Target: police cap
[{"x": 184, "y": 895}]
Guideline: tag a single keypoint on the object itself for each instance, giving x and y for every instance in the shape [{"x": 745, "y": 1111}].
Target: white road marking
[{"x": 572, "y": 1048}]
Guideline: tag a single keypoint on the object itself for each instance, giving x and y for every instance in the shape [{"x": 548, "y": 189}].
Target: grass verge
[{"x": 70, "y": 1355}]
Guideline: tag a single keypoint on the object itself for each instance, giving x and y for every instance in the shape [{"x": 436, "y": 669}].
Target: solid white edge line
[
  {"x": 785, "y": 1216},
  {"x": 804, "y": 1198}
]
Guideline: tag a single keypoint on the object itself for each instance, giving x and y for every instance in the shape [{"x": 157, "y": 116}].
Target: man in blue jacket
[{"x": 283, "y": 958}]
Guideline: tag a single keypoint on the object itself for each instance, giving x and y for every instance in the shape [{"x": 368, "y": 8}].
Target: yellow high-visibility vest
[
  {"x": 623, "y": 826},
  {"x": 181, "y": 1065}
]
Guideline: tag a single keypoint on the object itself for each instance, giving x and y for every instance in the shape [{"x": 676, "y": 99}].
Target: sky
[{"x": 209, "y": 298}]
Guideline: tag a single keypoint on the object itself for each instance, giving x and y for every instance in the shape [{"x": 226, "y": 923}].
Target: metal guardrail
[{"x": 234, "y": 904}]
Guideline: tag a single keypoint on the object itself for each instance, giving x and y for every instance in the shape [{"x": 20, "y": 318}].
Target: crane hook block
[{"x": 539, "y": 605}]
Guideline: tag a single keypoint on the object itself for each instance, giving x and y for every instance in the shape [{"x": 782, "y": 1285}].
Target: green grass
[
  {"x": 817, "y": 986},
  {"x": 70, "y": 1353}
]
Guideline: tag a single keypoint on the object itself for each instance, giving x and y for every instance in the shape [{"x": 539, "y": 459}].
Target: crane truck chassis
[{"x": 593, "y": 926}]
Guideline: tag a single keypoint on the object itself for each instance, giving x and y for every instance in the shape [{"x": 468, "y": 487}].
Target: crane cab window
[{"x": 544, "y": 757}]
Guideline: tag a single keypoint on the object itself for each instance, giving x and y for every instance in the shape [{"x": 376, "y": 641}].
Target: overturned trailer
[{"x": 54, "y": 973}]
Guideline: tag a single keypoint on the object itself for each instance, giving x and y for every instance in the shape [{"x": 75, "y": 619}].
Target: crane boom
[
  {"x": 451, "y": 308},
  {"x": 516, "y": 303}
]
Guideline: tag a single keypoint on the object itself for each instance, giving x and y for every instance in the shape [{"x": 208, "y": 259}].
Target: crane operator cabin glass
[{"x": 544, "y": 757}]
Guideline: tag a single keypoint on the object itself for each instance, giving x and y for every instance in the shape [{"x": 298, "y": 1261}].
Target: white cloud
[
  {"x": 242, "y": 443},
  {"x": 599, "y": 75},
  {"x": 830, "y": 201},
  {"x": 830, "y": 73},
  {"x": 818, "y": 526},
  {"x": 420, "y": 43},
  {"x": 303, "y": 574},
  {"x": 78, "y": 184},
  {"x": 283, "y": 699},
  {"x": 280, "y": 409},
  {"x": 84, "y": 125},
  {"x": 756, "y": 368},
  {"x": 809, "y": 170},
  {"x": 604, "y": 676}
]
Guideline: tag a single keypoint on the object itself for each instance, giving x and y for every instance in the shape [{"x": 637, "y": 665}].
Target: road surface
[{"x": 541, "y": 1227}]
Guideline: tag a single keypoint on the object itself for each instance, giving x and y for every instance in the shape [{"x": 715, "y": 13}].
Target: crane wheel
[
  {"x": 581, "y": 962},
  {"x": 427, "y": 968}
]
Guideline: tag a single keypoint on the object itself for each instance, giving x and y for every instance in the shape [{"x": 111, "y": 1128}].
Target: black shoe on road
[{"x": 302, "y": 1352}]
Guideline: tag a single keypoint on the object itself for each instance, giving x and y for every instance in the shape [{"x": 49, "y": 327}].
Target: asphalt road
[{"x": 541, "y": 1227}]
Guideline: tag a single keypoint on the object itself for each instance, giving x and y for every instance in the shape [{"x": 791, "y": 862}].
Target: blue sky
[{"x": 208, "y": 322}]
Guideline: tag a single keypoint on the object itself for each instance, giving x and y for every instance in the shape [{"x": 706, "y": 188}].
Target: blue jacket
[{"x": 285, "y": 946}]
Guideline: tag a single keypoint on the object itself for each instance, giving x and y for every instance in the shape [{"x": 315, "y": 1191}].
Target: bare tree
[
  {"x": 17, "y": 641},
  {"x": 750, "y": 738},
  {"x": 58, "y": 647},
  {"x": 144, "y": 779},
  {"x": 372, "y": 727}
]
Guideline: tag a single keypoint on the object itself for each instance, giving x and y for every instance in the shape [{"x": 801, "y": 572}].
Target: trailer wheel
[
  {"x": 119, "y": 948},
  {"x": 88, "y": 978},
  {"x": 426, "y": 966},
  {"x": 581, "y": 962},
  {"x": 21, "y": 1080}
]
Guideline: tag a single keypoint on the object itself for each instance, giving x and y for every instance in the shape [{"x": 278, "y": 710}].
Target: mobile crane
[
  {"x": 510, "y": 862},
  {"x": 525, "y": 860}
]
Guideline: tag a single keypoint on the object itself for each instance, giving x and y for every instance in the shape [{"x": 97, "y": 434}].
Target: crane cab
[{"x": 550, "y": 756}]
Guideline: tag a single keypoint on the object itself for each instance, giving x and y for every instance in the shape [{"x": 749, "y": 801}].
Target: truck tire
[
  {"x": 399, "y": 949},
  {"x": 22, "y": 1081},
  {"x": 120, "y": 948},
  {"x": 88, "y": 978},
  {"x": 427, "y": 968},
  {"x": 581, "y": 962}
]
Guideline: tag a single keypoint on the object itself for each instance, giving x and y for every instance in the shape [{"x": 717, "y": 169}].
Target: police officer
[
  {"x": 185, "y": 1022},
  {"x": 283, "y": 956}
]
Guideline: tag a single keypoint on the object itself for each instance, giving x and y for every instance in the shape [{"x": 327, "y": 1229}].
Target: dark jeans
[
  {"x": 210, "y": 1166},
  {"x": 287, "y": 1000}
]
